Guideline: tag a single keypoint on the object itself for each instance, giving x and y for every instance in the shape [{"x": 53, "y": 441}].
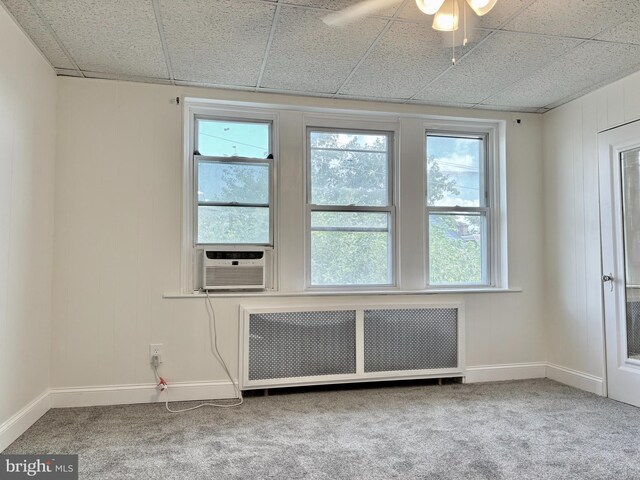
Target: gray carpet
[{"x": 511, "y": 430}]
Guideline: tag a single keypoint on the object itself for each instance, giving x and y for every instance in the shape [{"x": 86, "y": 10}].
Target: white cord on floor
[{"x": 213, "y": 344}]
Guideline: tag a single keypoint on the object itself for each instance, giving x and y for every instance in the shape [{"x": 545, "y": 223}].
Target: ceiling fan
[{"x": 446, "y": 14}]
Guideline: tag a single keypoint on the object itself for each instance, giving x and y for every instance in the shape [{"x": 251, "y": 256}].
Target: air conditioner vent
[
  {"x": 234, "y": 276},
  {"x": 233, "y": 269}
]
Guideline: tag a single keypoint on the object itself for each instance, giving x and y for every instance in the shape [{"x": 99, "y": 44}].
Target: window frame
[
  {"x": 390, "y": 209},
  {"x": 232, "y": 161},
  {"x": 493, "y": 190},
  {"x": 190, "y": 264}
]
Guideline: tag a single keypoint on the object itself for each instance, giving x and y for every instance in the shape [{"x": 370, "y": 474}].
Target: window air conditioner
[{"x": 233, "y": 269}]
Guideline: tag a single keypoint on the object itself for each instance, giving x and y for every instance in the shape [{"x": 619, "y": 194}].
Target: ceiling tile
[
  {"x": 502, "y": 12},
  {"x": 575, "y": 18},
  {"x": 584, "y": 68},
  {"x": 217, "y": 41},
  {"x": 502, "y": 59},
  {"x": 307, "y": 55},
  {"x": 408, "y": 57},
  {"x": 625, "y": 32},
  {"x": 37, "y": 30},
  {"x": 119, "y": 36}
]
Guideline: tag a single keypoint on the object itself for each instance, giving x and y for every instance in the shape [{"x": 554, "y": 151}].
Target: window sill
[{"x": 343, "y": 293}]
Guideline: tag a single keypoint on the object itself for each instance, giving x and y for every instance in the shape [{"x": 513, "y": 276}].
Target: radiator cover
[
  {"x": 410, "y": 339},
  {"x": 301, "y": 344},
  {"x": 335, "y": 344}
]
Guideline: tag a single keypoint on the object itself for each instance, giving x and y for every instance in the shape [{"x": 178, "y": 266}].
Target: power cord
[{"x": 213, "y": 345}]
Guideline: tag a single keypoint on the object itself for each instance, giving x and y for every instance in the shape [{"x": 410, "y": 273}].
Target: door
[{"x": 619, "y": 168}]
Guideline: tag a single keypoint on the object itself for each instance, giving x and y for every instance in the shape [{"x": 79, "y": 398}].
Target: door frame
[{"x": 611, "y": 143}]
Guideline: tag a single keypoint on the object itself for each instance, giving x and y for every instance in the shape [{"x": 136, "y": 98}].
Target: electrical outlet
[{"x": 155, "y": 350}]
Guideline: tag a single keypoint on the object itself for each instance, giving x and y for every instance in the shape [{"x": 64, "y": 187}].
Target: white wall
[
  {"x": 28, "y": 90},
  {"x": 574, "y": 326},
  {"x": 118, "y": 223}
]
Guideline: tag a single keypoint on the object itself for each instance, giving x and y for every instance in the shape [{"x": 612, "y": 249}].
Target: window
[
  {"x": 458, "y": 209},
  {"x": 350, "y": 208},
  {"x": 233, "y": 168},
  {"x": 346, "y": 201}
]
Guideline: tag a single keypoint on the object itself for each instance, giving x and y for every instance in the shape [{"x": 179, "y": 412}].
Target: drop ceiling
[{"x": 528, "y": 55}]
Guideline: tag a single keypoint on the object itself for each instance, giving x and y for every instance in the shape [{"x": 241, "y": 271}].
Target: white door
[{"x": 620, "y": 222}]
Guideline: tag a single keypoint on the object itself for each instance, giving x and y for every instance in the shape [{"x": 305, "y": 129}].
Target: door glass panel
[{"x": 631, "y": 221}]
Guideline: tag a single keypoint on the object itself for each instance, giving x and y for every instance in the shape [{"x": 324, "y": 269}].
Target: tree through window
[
  {"x": 233, "y": 174},
  {"x": 350, "y": 207},
  {"x": 458, "y": 208}
]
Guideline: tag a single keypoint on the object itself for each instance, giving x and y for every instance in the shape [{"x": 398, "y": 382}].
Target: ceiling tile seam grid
[
  {"x": 267, "y": 50},
  {"x": 564, "y": 55},
  {"x": 509, "y": 19},
  {"x": 81, "y": 72},
  {"x": 372, "y": 47},
  {"x": 54, "y": 35},
  {"x": 163, "y": 41}
]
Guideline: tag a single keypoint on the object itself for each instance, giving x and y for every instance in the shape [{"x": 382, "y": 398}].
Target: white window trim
[
  {"x": 495, "y": 163},
  {"x": 359, "y": 123},
  {"x": 190, "y": 247}
]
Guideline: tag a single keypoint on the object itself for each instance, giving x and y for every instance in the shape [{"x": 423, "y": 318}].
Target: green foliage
[
  {"x": 349, "y": 258},
  {"x": 341, "y": 176},
  {"x": 237, "y": 224},
  {"x": 438, "y": 183},
  {"x": 455, "y": 250},
  {"x": 454, "y": 258}
]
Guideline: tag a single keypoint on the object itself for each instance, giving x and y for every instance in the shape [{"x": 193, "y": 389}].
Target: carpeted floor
[{"x": 511, "y": 430}]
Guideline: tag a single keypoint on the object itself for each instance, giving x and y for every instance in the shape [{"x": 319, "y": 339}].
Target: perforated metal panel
[
  {"x": 410, "y": 339},
  {"x": 301, "y": 344},
  {"x": 633, "y": 328}
]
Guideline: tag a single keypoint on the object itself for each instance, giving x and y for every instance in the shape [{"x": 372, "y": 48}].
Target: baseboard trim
[
  {"x": 500, "y": 373},
  {"x": 139, "y": 393},
  {"x": 20, "y": 422},
  {"x": 576, "y": 379}
]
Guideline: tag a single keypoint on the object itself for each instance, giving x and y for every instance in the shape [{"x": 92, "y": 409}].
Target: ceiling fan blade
[
  {"x": 482, "y": 7},
  {"x": 357, "y": 11}
]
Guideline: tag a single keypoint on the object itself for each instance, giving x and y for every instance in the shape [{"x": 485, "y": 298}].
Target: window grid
[
  {"x": 484, "y": 210},
  {"x": 231, "y": 160},
  {"x": 389, "y": 209}
]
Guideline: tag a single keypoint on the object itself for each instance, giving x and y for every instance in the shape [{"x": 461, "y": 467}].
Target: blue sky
[{"x": 228, "y": 139}]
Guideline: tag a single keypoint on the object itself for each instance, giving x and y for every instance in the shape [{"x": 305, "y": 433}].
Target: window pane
[
  {"x": 218, "y": 138},
  {"x": 349, "y": 141},
  {"x": 233, "y": 225},
  {"x": 454, "y": 171},
  {"x": 349, "y": 169},
  {"x": 456, "y": 249},
  {"x": 233, "y": 182},
  {"x": 350, "y": 248}
]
